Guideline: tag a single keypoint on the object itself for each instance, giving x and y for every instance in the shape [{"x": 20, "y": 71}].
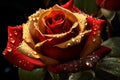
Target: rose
[
  {"x": 53, "y": 36},
  {"x": 109, "y": 4},
  {"x": 110, "y": 10}
]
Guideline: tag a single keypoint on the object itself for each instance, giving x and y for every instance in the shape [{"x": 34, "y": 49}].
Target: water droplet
[
  {"x": 12, "y": 40},
  {"x": 10, "y": 34},
  {"x": 87, "y": 63},
  {"x": 35, "y": 53},
  {"x": 85, "y": 24},
  {"x": 77, "y": 41},
  {"x": 91, "y": 58},
  {"x": 24, "y": 64},
  {"x": 98, "y": 35},
  {"x": 80, "y": 21},
  {"x": 4, "y": 53},
  {"x": 15, "y": 32},
  {"x": 94, "y": 40},
  {"x": 28, "y": 62},
  {"x": 23, "y": 60},
  {"x": 71, "y": 65},
  {"x": 73, "y": 40},
  {"x": 64, "y": 68},
  {"x": 37, "y": 18},
  {"x": 76, "y": 65},
  {"x": 20, "y": 61},
  {"x": 94, "y": 29},
  {"x": 33, "y": 19},
  {"x": 68, "y": 44},
  {"x": 30, "y": 18},
  {"x": 28, "y": 54},
  {"x": 94, "y": 33},
  {"x": 9, "y": 49}
]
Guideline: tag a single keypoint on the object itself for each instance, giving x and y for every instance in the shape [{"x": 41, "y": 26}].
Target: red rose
[
  {"x": 109, "y": 4},
  {"x": 53, "y": 36}
]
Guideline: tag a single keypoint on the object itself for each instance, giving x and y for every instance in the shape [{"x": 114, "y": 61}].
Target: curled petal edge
[
  {"x": 83, "y": 64},
  {"x": 16, "y": 57}
]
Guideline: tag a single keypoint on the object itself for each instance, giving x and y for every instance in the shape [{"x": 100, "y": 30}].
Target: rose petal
[
  {"x": 59, "y": 38},
  {"x": 27, "y": 36},
  {"x": 109, "y": 4},
  {"x": 73, "y": 41},
  {"x": 62, "y": 54},
  {"x": 82, "y": 64},
  {"x": 81, "y": 20},
  {"x": 68, "y": 13},
  {"x": 54, "y": 49},
  {"x": 70, "y": 6},
  {"x": 28, "y": 51},
  {"x": 94, "y": 39},
  {"x": 38, "y": 33},
  {"x": 14, "y": 56},
  {"x": 54, "y": 20}
]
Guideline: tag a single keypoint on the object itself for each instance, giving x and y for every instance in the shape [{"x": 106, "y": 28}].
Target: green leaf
[
  {"x": 85, "y": 75},
  {"x": 36, "y": 74},
  {"x": 110, "y": 65},
  {"x": 114, "y": 44},
  {"x": 88, "y": 6},
  {"x": 54, "y": 76}
]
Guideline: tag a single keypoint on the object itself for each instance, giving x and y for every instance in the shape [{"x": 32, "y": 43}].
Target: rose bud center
[{"x": 57, "y": 22}]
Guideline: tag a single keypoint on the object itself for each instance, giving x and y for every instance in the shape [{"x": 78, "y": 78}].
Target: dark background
[{"x": 12, "y": 13}]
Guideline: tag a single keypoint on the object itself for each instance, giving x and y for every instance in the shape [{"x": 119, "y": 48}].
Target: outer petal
[
  {"x": 109, "y": 4},
  {"x": 69, "y": 5},
  {"x": 82, "y": 64},
  {"x": 14, "y": 56},
  {"x": 94, "y": 38},
  {"x": 62, "y": 52}
]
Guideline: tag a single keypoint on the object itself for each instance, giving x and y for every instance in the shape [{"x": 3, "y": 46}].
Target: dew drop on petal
[
  {"x": 35, "y": 53},
  {"x": 85, "y": 24},
  {"x": 37, "y": 18},
  {"x": 33, "y": 19},
  {"x": 87, "y": 63},
  {"x": 28, "y": 54},
  {"x": 64, "y": 68},
  {"x": 94, "y": 29},
  {"x": 77, "y": 41},
  {"x": 23, "y": 60},
  {"x": 10, "y": 34},
  {"x": 71, "y": 65},
  {"x": 28, "y": 62},
  {"x": 94, "y": 40},
  {"x": 4, "y": 53},
  {"x": 15, "y": 32},
  {"x": 76, "y": 65},
  {"x": 20, "y": 61},
  {"x": 9, "y": 49},
  {"x": 98, "y": 34},
  {"x": 12, "y": 40},
  {"x": 68, "y": 44},
  {"x": 24, "y": 64},
  {"x": 94, "y": 33}
]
